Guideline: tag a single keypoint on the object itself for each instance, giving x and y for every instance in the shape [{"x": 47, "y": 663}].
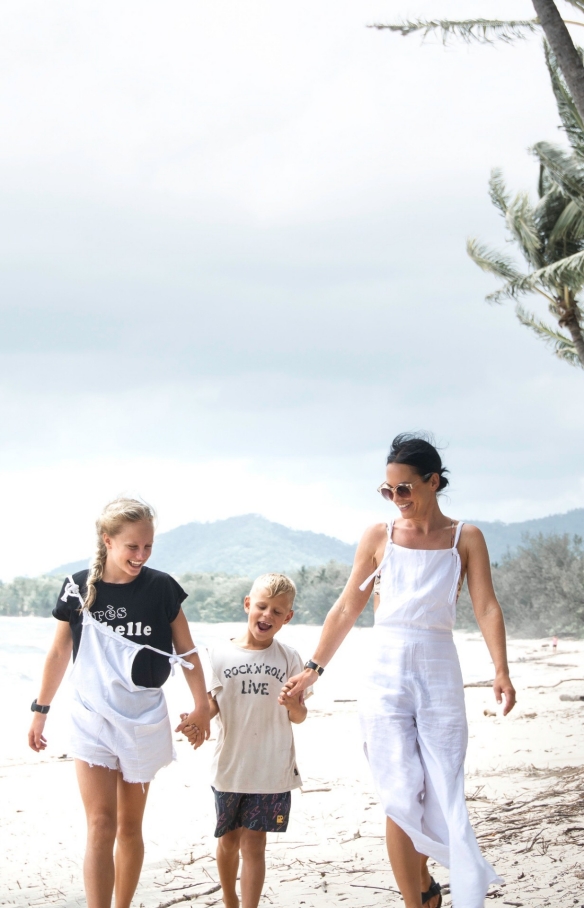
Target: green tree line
[{"x": 540, "y": 587}]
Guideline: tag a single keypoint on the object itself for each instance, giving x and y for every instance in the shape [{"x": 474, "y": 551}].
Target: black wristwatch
[
  {"x": 37, "y": 708},
  {"x": 315, "y": 668}
]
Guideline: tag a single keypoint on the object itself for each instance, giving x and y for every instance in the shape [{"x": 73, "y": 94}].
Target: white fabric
[
  {"x": 413, "y": 717},
  {"x": 116, "y": 723},
  {"x": 255, "y": 744}
]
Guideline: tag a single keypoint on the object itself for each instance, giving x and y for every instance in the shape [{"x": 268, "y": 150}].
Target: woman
[
  {"x": 121, "y": 620},
  {"x": 412, "y": 707}
]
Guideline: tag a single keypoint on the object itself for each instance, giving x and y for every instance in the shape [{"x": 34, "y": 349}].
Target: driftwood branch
[
  {"x": 189, "y": 898},
  {"x": 563, "y": 681}
]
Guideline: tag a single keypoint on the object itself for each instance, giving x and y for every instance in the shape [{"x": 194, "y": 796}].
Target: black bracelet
[
  {"x": 36, "y": 708},
  {"x": 314, "y": 666}
]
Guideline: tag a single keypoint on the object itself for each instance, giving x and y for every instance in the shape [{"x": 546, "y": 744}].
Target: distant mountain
[
  {"x": 250, "y": 544},
  {"x": 503, "y": 537}
]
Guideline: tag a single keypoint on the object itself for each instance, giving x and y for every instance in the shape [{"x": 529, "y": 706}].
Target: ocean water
[{"x": 24, "y": 643}]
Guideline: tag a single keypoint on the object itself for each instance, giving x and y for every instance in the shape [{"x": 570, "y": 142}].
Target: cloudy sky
[{"x": 233, "y": 267}]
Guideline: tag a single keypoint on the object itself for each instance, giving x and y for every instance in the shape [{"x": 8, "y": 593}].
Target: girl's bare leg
[
  {"x": 253, "y": 866},
  {"x": 228, "y": 865},
  {"x": 129, "y": 842},
  {"x": 98, "y": 787}
]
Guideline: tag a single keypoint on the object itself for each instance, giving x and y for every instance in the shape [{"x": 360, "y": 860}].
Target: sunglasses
[{"x": 402, "y": 489}]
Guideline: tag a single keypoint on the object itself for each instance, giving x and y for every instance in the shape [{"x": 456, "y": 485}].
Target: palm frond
[
  {"x": 579, "y": 4},
  {"x": 521, "y": 224},
  {"x": 493, "y": 261},
  {"x": 498, "y": 191},
  {"x": 568, "y": 271},
  {"x": 481, "y": 31},
  {"x": 563, "y": 346},
  {"x": 569, "y": 115},
  {"x": 568, "y": 226},
  {"x": 509, "y": 291},
  {"x": 566, "y": 170}
]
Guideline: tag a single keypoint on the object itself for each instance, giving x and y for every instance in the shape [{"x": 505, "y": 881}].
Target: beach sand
[{"x": 525, "y": 791}]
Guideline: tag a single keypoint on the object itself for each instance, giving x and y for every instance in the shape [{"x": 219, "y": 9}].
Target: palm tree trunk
[
  {"x": 564, "y": 50},
  {"x": 571, "y": 321}
]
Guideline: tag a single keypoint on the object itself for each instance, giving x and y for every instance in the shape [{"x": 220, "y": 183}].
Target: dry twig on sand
[
  {"x": 541, "y": 817},
  {"x": 189, "y": 898},
  {"x": 542, "y": 686}
]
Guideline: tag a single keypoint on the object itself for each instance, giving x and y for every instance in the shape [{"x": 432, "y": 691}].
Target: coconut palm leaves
[
  {"x": 550, "y": 235},
  {"x": 483, "y": 31},
  {"x": 571, "y": 120}
]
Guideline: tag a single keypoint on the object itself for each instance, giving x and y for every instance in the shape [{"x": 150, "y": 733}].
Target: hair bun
[{"x": 417, "y": 450}]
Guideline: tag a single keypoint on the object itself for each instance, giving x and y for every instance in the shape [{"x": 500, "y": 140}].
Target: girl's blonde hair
[{"x": 110, "y": 522}]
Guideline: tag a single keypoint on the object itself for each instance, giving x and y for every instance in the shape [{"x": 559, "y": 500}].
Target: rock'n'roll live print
[{"x": 246, "y": 685}]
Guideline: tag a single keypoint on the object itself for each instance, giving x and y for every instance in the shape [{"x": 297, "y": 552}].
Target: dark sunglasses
[{"x": 402, "y": 489}]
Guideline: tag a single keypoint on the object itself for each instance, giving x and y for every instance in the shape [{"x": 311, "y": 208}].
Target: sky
[{"x": 233, "y": 267}]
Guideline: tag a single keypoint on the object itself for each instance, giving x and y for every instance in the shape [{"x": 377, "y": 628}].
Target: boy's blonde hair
[{"x": 275, "y": 584}]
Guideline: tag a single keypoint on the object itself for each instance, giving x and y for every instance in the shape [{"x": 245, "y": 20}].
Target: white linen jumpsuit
[
  {"x": 413, "y": 716},
  {"x": 116, "y": 723}
]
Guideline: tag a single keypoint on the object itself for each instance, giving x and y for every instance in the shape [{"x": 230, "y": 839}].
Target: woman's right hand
[
  {"x": 301, "y": 682},
  {"x": 36, "y": 739}
]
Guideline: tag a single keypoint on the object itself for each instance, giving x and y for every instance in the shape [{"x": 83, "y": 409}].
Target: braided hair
[{"x": 110, "y": 522}]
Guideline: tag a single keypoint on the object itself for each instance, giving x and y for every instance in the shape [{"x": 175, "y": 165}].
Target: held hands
[
  {"x": 294, "y": 703},
  {"x": 290, "y": 701},
  {"x": 196, "y": 725},
  {"x": 502, "y": 688},
  {"x": 36, "y": 739},
  {"x": 297, "y": 684}
]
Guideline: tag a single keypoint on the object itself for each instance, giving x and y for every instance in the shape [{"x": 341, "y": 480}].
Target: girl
[
  {"x": 412, "y": 707},
  {"x": 121, "y": 620}
]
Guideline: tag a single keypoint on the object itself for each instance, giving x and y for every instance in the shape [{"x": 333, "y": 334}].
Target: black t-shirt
[{"x": 141, "y": 610}]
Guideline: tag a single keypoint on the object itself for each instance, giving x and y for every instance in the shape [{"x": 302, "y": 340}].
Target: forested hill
[
  {"x": 244, "y": 546},
  {"x": 249, "y": 545}
]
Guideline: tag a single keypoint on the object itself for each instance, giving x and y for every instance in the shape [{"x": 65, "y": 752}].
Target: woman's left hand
[
  {"x": 196, "y": 725},
  {"x": 502, "y": 688}
]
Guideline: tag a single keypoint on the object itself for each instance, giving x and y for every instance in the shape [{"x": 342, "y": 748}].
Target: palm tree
[
  {"x": 550, "y": 234},
  {"x": 485, "y": 31}
]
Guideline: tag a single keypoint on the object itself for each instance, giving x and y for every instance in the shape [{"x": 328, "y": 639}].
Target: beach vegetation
[{"x": 540, "y": 585}]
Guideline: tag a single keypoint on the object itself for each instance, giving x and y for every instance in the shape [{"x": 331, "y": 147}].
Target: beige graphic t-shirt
[{"x": 255, "y": 746}]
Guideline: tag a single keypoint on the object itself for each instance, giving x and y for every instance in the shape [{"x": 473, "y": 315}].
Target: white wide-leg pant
[{"x": 415, "y": 733}]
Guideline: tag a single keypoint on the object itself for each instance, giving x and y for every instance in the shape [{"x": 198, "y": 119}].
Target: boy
[{"x": 254, "y": 767}]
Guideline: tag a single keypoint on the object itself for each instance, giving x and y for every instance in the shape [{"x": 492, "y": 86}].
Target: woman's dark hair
[{"x": 419, "y": 452}]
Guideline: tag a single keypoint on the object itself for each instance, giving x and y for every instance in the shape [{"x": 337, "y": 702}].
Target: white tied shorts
[{"x": 138, "y": 751}]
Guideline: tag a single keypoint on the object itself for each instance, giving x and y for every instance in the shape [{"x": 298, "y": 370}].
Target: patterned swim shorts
[{"x": 261, "y": 812}]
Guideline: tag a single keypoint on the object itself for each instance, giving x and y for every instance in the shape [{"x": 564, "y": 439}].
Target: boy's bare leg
[
  {"x": 228, "y": 865},
  {"x": 253, "y": 867}
]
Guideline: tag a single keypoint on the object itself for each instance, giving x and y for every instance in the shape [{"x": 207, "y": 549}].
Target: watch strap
[{"x": 37, "y": 708}]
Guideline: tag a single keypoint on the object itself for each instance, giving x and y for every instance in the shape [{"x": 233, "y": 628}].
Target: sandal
[{"x": 435, "y": 889}]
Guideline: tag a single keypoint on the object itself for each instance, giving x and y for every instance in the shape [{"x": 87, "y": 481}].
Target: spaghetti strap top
[{"x": 418, "y": 588}]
